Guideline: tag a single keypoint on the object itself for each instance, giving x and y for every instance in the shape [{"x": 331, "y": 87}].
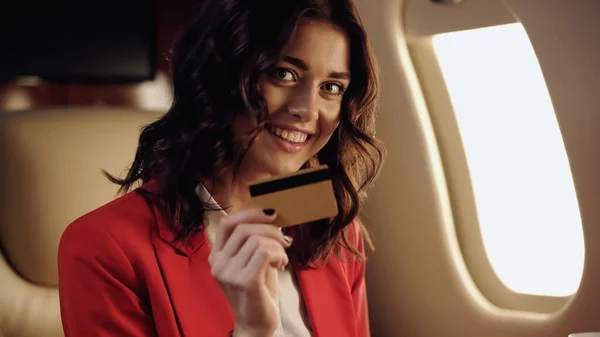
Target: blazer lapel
[
  {"x": 199, "y": 305},
  {"x": 327, "y": 299}
]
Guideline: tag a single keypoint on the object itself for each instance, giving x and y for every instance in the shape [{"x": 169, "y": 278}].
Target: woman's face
[{"x": 304, "y": 95}]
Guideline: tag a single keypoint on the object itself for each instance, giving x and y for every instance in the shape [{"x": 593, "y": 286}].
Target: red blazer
[{"x": 120, "y": 275}]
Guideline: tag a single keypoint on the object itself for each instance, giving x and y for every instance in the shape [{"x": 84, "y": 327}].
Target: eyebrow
[{"x": 302, "y": 65}]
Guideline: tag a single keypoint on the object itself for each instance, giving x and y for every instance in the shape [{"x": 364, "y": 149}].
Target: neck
[{"x": 232, "y": 196}]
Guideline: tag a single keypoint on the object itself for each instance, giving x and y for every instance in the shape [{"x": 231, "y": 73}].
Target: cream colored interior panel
[
  {"x": 50, "y": 175},
  {"x": 419, "y": 284},
  {"x": 27, "y": 310},
  {"x": 51, "y": 159},
  {"x": 425, "y": 17}
]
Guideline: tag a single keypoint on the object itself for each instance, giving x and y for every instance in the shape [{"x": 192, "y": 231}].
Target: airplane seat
[{"x": 50, "y": 175}]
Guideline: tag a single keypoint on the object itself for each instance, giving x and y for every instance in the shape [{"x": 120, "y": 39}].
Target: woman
[{"x": 262, "y": 88}]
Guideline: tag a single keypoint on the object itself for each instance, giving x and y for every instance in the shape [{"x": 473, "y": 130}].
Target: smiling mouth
[{"x": 294, "y": 137}]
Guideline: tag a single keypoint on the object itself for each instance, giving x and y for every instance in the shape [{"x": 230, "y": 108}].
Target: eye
[
  {"x": 334, "y": 88},
  {"x": 283, "y": 74}
]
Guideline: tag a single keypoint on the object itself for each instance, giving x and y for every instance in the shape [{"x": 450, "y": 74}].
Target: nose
[{"x": 304, "y": 103}]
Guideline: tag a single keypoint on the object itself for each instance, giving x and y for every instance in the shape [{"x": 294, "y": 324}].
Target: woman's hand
[{"x": 244, "y": 259}]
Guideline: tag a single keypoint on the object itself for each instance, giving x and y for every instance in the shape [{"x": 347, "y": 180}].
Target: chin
[
  {"x": 279, "y": 166},
  {"x": 277, "y": 170},
  {"x": 274, "y": 163}
]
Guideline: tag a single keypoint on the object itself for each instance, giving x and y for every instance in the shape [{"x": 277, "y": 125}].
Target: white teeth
[{"x": 290, "y": 136}]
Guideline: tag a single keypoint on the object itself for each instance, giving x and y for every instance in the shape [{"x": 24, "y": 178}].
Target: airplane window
[{"x": 526, "y": 201}]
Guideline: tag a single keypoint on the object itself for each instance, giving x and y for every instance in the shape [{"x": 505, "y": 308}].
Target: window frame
[{"x": 460, "y": 188}]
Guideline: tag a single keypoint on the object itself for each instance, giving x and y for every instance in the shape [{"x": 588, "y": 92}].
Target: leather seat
[{"x": 50, "y": 174}]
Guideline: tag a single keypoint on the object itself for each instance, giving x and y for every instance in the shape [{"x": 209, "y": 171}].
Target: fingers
[
  {"x": 249, "y": 216},
  {"x": 247, "y": 268},
  {"x": 271, "y": 250},
  {"x": 244, "y": 247},
  {"x": 243, "y": 232},
  {"x": 271, "y": 255}
]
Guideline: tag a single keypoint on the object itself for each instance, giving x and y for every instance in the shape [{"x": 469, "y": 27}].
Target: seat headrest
[{"x": 51, "y": 174}]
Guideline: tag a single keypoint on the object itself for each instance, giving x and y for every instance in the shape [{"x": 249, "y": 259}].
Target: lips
[{"x": 292, "y": 136}]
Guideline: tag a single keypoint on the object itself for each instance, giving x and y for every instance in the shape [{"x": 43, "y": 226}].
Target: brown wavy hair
[{"x": 216, "y": 63}]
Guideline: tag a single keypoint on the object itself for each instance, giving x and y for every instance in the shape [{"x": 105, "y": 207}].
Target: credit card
[{"x": 300, "y": 197}]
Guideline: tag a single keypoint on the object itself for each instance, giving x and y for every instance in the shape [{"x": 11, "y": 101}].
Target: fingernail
[
  {"x": 288, "y": 239},
  {"x": 269, "y": 211},
  {"x": 286, "y": 260}
]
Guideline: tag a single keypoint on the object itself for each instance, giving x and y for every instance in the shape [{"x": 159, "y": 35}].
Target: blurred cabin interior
[{"x": 485, "y": 217}]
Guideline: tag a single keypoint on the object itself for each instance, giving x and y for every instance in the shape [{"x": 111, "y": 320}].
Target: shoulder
[
  {"x": 354, "y": 231},
  {"x": 355, "y": 237},
  {"x": 125, "y": 223},
  {"x": 355, "y": 265},
  {"x": 349, "y": 257}
]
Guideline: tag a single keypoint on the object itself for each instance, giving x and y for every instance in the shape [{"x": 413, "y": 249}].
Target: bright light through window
[{"x": 522, "y": 182}]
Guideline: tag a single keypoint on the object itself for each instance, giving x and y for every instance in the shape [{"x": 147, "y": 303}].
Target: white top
[{"x": 293, "y": 316}]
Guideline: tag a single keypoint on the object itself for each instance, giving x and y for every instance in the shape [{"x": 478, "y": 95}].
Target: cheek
[
  {"x": 274, "y": 96},
  {"x": 327, "y": 126},
  {"x": 330, "y": 119}
]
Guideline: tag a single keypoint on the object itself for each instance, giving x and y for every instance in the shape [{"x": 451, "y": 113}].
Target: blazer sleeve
[
  {"x": 97, "y": 286},
  {"x": 358, "y": 287}
]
